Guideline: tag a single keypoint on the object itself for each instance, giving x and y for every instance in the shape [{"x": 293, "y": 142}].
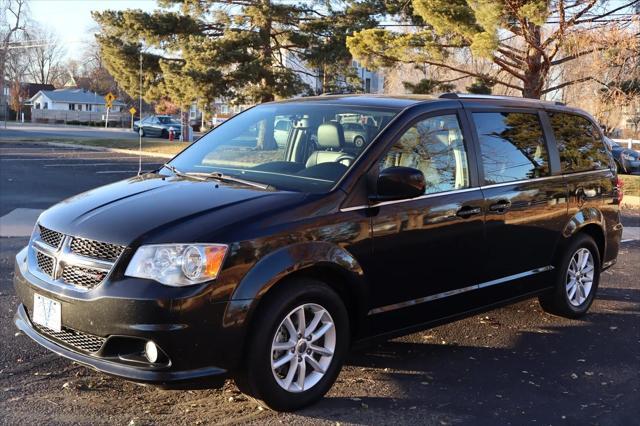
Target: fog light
[{"x": 151, "y": 351}]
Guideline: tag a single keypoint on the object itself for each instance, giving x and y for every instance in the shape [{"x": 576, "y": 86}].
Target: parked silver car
[{"x": 158, "y": 126}]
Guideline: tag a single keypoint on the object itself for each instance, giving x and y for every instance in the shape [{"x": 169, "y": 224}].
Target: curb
[
  {"x": 116, "y": 150},
  {"x": 102, "y": 148}
]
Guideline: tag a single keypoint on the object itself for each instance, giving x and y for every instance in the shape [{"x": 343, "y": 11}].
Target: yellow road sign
[
  {"x": 109, "y": 98},
  {"x": 132, "y": 110},
  {"x": 108, "y": 104}
]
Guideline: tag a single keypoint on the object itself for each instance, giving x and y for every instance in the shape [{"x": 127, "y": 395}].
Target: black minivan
[{"x": 263, "y": 261}]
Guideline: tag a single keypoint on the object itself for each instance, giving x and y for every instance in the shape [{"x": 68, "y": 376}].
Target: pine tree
[
  {"x": 523, "y": 39},
  {"x": 198, "y": 51}
]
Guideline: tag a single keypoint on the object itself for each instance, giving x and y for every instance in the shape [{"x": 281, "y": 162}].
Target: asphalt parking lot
[{"x": 516, "y": 365}]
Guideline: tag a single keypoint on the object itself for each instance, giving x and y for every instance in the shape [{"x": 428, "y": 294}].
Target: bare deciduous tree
[
  {"x": 12, "y": 24},
  {"x": 45, "y": 57}
]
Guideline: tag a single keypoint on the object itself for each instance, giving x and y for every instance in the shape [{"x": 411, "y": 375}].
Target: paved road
[
  {"x": 43, "y": 131},
  {"x": 36, "y": 176},
  {"x": 46, "y": 131},
  {"x": 515, "y": 365}
]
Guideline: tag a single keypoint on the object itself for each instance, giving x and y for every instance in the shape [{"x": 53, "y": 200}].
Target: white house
[{"x": 72, "y": 100}]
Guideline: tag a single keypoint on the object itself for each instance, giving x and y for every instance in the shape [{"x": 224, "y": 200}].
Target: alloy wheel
[
  {"x": 580, "y": 276},
  {"x": 303, "y": 348}
]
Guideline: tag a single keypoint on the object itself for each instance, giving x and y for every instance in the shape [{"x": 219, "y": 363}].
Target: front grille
[
  {"x": 78, "y": 262},
  {"x": 86, "y": 278},
  {"x": 49, "y": 237},
  {"x": 45, "y": 263},
  {"x": 76, "y": 339},
  {"x": 96, "y": 249}
]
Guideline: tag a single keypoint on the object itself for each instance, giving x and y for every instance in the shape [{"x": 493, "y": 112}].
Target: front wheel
[
  {"x": 577, "y": 280},
  {"x": 297, "y": 347},
  {"x": 141, "y": 132}
]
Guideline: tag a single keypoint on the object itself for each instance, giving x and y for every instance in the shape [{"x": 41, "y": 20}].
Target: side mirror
[{"x": 399, "y": 183}]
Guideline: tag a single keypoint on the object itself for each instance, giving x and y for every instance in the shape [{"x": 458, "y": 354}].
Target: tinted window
[
  {"x": 435, "y": 147},
  {"x": 512, "y": 146},
  {"x": 579, "y": 143}
]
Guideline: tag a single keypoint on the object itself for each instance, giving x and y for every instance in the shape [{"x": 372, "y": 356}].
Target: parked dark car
[
  {"x": 627, "y": 160},
  {"x": 158, "y": 126},
  {"x": 265, "y": 265}
]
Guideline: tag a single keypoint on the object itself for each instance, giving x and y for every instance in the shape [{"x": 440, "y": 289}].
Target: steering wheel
[{"x": 345, "y": 159}]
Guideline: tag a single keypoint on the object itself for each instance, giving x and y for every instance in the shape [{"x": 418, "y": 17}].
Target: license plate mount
[{"x": 47, "y": 312}]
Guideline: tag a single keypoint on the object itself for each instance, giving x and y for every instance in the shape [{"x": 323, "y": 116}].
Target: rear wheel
[
  {"x": 296, "y": 350},
  {"x": 620, "y": 169},
  {"x": 577, "y": 280}
]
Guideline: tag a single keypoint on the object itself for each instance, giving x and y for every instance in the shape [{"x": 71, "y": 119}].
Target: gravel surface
[{"x": 516, "y": 365}]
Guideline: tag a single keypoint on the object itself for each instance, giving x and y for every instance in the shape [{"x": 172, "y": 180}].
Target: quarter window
[
  {"x": 434, "y": 146},
  {"x": 579, "y": 143},
  {"x": 511, "y": 145}
]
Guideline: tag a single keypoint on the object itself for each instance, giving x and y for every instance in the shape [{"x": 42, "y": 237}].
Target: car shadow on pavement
[{"x": 578, "y": 371}]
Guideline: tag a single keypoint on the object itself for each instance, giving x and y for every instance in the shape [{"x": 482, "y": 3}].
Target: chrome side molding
[{"x": 457, "y": 291}]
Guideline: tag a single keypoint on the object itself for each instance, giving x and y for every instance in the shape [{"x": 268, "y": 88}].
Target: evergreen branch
[
  {"x": 568, "y": 83},
  {"x": 508, "y": 68},
  {"x": 519, "y": 59},
  {"x": 576, "y": 55}
]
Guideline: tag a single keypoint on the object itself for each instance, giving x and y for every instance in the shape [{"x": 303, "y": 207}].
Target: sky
[{"x": 71, "y": 19}]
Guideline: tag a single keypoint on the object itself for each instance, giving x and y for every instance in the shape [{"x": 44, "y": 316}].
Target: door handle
[
  {"x": 468, "y": 211},
  {"x": 500, "y": 207}
]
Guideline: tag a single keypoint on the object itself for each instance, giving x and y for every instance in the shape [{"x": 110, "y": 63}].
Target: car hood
[{"x": 155, "y": 208}]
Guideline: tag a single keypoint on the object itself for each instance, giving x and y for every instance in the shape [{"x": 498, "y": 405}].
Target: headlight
[
  {"x": 627, "y": 156},
  {"x": 177, "y": 264}
]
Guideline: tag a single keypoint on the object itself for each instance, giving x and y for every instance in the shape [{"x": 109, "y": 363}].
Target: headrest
[{"x": 330, "y": 135}]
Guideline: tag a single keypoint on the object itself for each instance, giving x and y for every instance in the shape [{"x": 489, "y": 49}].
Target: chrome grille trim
[
  {"x": 96, "y": 249},
  {"x": 49, "y": 237},
  {"x": 45, "y": 263},
  {"x": 82, "y": 277},
  {"x": 66, "y": 268}
]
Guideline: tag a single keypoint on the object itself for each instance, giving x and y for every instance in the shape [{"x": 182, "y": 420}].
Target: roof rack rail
[{"x": 452, "y": 95}]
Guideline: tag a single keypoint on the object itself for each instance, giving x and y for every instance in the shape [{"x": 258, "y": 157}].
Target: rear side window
[
  {"x": 511, "y": 145},
  {"x": 579, "y": 143},
  {"x": 434, "y": 146}
]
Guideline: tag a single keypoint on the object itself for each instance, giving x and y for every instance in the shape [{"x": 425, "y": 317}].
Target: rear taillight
[{"x": 619, "y": 189}]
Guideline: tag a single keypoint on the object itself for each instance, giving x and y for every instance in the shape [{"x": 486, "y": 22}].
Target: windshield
[{"x": 301, "y": 146}]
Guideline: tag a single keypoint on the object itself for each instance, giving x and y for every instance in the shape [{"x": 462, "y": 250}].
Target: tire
[
  {"x": 259, "y": 380},
  {"x": 561, "y": 301},
  {"x": 141, "y": 132},
  {"x": 358, "y": 141},
  {"x": 164, "y": 134},
  {"x": 621, "y": 170}
]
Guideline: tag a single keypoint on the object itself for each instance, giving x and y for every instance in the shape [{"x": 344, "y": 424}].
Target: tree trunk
[
  {"x": 537, "y": 70},
  {"x": 266, "y": 56},
  {"x": 531, "y": 87}
]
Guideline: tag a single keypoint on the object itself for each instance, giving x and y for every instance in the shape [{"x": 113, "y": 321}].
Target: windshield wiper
[
  {"x": 217, "y": 176},
  {"x": 182, "y": 174},
  {"x": 226, "y": 178}
]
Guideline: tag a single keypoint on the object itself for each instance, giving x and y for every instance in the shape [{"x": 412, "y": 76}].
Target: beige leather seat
[{"x": 330, "y": 144}]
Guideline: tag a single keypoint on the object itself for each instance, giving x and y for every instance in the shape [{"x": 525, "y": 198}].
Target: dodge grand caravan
[{"x": 263, "y": 261}]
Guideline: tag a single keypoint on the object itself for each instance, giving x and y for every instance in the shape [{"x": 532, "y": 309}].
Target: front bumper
[
  {"x": 187, "y": 329},
  {"x": 212, "y": 375}
]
